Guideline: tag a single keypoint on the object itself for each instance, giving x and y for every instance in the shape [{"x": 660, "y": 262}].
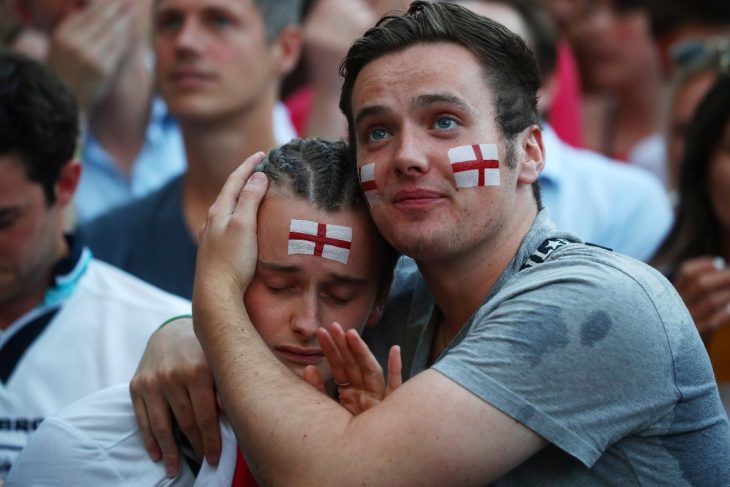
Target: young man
[
  {"x": 296, "y": 288},
  {"x": 69, "y": 324},
  {"x": 218, "y": 67},
  {"x": 533, "y": 358}
]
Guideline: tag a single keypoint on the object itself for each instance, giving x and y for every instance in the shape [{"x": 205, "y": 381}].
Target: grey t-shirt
[{"x": 592, "y": 350}]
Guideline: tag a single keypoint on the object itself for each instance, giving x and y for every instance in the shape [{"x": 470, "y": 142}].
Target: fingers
[
  {"x": 140, "y": 413},
  {"x": 369, "y": 369},
  {"x": 350, "y": 363},
  {"x": 206, "y": 419},
  {"x": 704, "y": 285},
  {"x": 333, "y": 357},
  {"x": 395, "y": 379},
  {"x": 153, "y": 416},
  {"x": 314, "y": 378},
  {"x": 227, "y": 199},
  {"x": 88, "y": 47}
]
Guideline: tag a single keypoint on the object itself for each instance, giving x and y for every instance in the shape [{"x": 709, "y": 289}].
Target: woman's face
[{"x": 719, "y": 179}]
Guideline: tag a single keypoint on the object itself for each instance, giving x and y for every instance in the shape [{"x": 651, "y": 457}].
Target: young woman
[{"x": 696, "y": 251}]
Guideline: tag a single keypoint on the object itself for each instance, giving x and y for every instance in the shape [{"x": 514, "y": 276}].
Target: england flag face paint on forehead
[
  {"x": 475, "y": 165},
  {"x": 320, "y": 239},
  {"x": 367, "y": 183}
]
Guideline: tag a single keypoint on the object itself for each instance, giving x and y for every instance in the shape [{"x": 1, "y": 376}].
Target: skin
[
  {"x": 306, "y": 291},
  {"x": 290, "y": 297},
  {"x": 621, "y": 76},
  {"x": 200, "y": 47},
  {"x": 99, "y": 49},
  {"x": 31, "y": 236},
  {"x": 203, "y": 52},
  {"x": 412, "y": 162},
  {"x": 219, "y": 76}
]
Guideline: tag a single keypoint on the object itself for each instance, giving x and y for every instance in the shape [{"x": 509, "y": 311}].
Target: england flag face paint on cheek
[
  {"x": 475, "y": 165},
  {"x": 367, "y": 183},
  {"x": 320, "y": 239}
]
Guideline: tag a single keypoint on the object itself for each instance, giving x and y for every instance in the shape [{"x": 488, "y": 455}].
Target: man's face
[
  {"x": 28, "y": 234},
  {"x": 410, "y": 108},
  {"x": 291, "y": 295},
  {"x": 612, "y": 46},
  {"x": 212, "y": 57}
]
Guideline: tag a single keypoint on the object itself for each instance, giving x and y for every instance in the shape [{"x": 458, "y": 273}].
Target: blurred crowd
[{"x": 635, "y": 103}]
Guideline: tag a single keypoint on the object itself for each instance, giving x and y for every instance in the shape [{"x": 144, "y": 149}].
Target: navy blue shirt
[{"x": 149, "y": 239}]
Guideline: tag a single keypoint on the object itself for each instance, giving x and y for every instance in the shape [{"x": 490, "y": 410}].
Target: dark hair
[
  {"x": 317, "y": 170},
  {"x": 38, "y": 119},
  {"x": 696, "y": 230},
  {"x": 508, "y": 64},
  {"x": 322, "y": 173},
  {"x": 277, "y": 14}
]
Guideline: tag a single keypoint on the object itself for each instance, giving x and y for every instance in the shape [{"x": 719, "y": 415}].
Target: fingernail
[
  {"x": 212, "y": 459},
  {"x": 719, "y": 263},
  {"x": 257, "y": 178},
  {"x": 171, "y": 470}
]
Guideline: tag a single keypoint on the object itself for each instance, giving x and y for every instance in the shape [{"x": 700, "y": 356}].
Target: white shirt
[{"x": 95, "y": 340}]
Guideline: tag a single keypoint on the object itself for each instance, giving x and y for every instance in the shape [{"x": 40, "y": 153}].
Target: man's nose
[
  {"x": 306, "y": 317},
  {"x": 410, "y": 159},
  {"x": 189, "y": 36}
]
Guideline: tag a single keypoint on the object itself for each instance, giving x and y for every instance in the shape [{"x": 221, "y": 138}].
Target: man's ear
[
  {"x": 379, "y": 305},
  {"x": 288, "y": 49},
  {"x": 534, "y": 159},
  {"x": 67, "y": 183}
]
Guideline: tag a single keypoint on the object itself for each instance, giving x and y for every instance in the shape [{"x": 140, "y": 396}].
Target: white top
[
  {"x": 93, "y": 442},
  {"x": 95, "y": 340},
  {"x": 96, "y": 441}
]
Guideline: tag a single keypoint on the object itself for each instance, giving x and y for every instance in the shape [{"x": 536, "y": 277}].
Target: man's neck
[
  {"x": 213, "y": 150},
  {"x": 461, "y": 283}
]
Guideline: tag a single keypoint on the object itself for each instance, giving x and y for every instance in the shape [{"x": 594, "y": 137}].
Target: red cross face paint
[
  {"x": 367, "y": 183},
  {"x": 475, "y": 165},
  {"x": 320, "y": 239}
]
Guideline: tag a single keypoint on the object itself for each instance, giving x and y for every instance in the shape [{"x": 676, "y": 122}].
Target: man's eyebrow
[
  {"x": 334, "y": 276},
  {"x": 370, "y": 111},
  {"x": 292, "y": 269},
  {"x": 432, "y": 98}
]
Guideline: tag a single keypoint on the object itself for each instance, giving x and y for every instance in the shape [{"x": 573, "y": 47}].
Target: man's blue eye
[
  {"x": 378, "y": 134},
  {"x": 445, "y": 123}
]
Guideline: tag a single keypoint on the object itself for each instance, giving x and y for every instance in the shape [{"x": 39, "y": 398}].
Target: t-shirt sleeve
[{"x": 577, "y": 354}]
